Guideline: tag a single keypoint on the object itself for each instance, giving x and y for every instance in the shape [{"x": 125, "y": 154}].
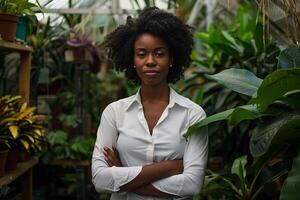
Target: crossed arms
[{"x": 163, "y": 179}]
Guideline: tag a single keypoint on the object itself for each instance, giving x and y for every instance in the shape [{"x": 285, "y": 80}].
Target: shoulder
[
  {"x": 119, "y": 105},
  {"x": 196, "y": 112}
]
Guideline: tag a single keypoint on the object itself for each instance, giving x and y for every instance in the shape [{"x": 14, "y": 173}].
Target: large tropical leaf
[
  {"x": 291, "y": 185},
  {"x": 242, "y": 113},
  {"x": 289, "y": 58},
  {"x": 234, "y": 116},
  {"x": 286, "y": 127},
  {"x": 275, "y": 86},
  {"x": 238, "y": 80}
]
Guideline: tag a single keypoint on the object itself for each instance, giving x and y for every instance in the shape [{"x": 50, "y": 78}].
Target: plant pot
[
  {"x": 12, "y": 159},
  {"x": 24, "y": 155},
  {"x": 22, "y": 28},
  {"x": 3, "y": 156},
  {"x": 79, "y": 53},
  {"x": 10, "y": 23}
]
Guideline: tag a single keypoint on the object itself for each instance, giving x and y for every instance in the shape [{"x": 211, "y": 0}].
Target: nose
[{"x": 150, "y": 62}]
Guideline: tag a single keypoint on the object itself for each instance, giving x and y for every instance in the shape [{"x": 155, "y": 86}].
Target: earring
[
  {"x": 171, "y": 65},
  {"x": 134, "y": 66}
]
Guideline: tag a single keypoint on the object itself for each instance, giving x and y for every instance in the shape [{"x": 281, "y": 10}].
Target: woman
[{"x": 141, "y": 151}]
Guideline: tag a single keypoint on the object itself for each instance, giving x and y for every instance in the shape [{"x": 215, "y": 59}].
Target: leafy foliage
[
  {"x": 17, "y": 7},
  {"x": 62, "y": 146},
  {"x": 238, "y": 80},
  {"x": 279, "y": 120},
  {"x": 290, "y": 189},
  {"x": 20, "y": 125},
  {"x": 238, "y": 55}
]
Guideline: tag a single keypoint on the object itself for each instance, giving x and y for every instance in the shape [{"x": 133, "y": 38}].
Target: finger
[
  {"x": 116, "y": 151},
  {"x": 108, "y": 162},
  {"x": 109, "y": 151},
  {"x": 111, "y": 158}
]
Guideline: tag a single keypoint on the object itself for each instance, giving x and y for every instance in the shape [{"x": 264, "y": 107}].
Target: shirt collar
[{"x": 174, "y": 98}]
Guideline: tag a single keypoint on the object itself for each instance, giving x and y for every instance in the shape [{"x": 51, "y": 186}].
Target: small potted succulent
[{"x": 10, "y": 10}]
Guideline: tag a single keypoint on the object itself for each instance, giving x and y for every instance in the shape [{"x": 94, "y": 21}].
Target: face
[{"x": 151, "y": 59}]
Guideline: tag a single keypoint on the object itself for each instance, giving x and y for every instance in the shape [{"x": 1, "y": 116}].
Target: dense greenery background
[{"x": 247, "y": 84}]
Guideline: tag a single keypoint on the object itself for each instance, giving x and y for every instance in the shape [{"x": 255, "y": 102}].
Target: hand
[
  {"x": 176, "y": 166},
  {"x": 112, "y": 157}
]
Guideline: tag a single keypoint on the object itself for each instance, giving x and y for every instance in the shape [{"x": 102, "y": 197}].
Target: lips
[{"x": 151, "y": 72}]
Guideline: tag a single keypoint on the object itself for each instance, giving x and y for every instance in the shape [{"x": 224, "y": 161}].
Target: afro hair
[{"x": 177, "y": 35}]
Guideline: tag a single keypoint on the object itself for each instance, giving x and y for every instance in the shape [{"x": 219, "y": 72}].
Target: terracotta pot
[
  {"x": 3, "y": 156},
  {"x": 10, "y": 23},
  {"x": 12, "y": 159}
]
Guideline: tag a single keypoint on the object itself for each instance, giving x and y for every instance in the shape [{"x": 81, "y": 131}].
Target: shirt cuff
[
  {"x": 171, "y": 185},
  {"x": 122, "y": 175}
]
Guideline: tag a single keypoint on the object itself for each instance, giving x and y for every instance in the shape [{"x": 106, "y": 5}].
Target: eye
[
  {"x": 141, "y": 54},
  {"x": 159, "y": 53}
]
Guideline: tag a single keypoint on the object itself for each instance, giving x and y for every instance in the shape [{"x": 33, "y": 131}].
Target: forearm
[
  {"x": 150, "y": 190},
  {"x": 152, "y": 173}
]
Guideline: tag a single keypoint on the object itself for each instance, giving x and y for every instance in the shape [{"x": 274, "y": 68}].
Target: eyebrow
[{"x": 158, "y": 48}]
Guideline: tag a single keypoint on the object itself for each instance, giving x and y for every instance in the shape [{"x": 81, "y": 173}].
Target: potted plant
[
  {"x": 20, "y": 128},
  {"x": 83, "y": 48},
  {"x": 9, "y": 16},
  {"x": 6, "y": 136},
  {"x": 29, "y": 131}
]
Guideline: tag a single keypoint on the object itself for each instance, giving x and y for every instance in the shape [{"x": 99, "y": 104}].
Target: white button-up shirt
[{"x": 123, "y": 125}]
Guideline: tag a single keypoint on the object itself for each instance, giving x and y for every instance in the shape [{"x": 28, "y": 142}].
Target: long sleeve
[
  {"x": 195, "y": 158},
  {"x": 107, "y": 178}
]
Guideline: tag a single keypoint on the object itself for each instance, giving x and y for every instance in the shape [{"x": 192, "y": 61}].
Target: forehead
[{"x": 149, "y": 41}]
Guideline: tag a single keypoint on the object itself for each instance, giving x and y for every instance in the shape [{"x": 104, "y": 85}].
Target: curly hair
[{"x": 177, "y": 35}]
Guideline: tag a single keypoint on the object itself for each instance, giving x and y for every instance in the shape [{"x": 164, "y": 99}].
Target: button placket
[{"x": 143, "y": 121}]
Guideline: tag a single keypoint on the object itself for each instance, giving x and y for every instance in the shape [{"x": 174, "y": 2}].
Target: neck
[{"x": 155, "y": 93}]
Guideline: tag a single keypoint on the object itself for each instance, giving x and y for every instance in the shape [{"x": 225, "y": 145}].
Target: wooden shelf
[
  {"x": 14, "y": 46},
  {"x": 22, "y": 167},
  {"x": 70, "y": 163},
  {"x": 25, "y": 59}
]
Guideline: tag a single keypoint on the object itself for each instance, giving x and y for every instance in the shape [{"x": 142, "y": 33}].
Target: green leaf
[
  {"x": 238, "y": 80},
  {"x": 57, "y": 137},
  {"x": 232, "y": 40},
  {"x": 289, "y": 58},
  {"x": 238, "y": 164},
  {"x": 259, "y": 162},
  {"x": 243, "y": 113},
  {"x": 238, "y": 168},
  {"x": 229, "y": 50},
  {"x": 292, "y": 99},
  {"x": 291, "y": 185},
  {"x": 275, "y": 86},
  {"x": 284, "y": 128},
  {"x": 234, "y": 116},
  {"x": 203, "y": 36}
]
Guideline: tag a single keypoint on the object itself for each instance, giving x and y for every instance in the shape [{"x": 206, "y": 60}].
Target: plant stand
[
  {"x": 24, "y": 75},
  {"x": 24, "y": 172}
]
